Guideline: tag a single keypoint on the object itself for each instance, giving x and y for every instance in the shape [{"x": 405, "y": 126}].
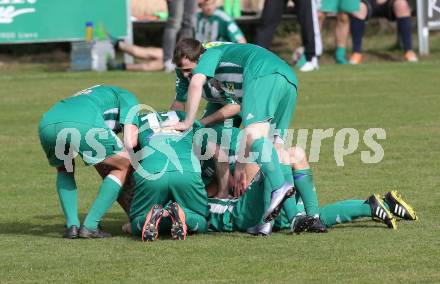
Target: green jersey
[
  {"x": 232, "y": 65},
  {"x": 220, "y": 214},
  {"x": 165, "y": 150},
  {"x": 210, "y": 92},
  {"x": 217, "y": 27},
  {"x": 228, "y": 138},
  {"x": 93, "y": 105},
  {"x": 169, "y": 170},
  {"x": 227, "y": 215}
]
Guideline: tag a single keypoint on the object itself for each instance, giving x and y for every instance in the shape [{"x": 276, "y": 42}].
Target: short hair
[{"x": 188, "y": 48}]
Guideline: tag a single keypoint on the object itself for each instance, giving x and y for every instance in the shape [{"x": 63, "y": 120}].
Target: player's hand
[
  {"x": 180, "y": 126},
  {"x": 239, "y": 180},
  {"x": 222, "y": 196},
  {"x": 203, "y": 121}
]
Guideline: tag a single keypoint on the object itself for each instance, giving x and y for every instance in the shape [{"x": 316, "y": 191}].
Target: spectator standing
[
  {"x": 180, "y": 24},
  {"x": 212, "y": 25},
  {"x": 307, "y": 14}
]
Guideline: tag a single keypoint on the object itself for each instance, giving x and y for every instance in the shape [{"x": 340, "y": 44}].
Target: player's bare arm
[{"x": 222, "y": 114}]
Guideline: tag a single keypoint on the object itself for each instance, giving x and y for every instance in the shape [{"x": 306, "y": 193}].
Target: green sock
[
  {"x": 68, "y": 194},
  {"x": 290, "y": 208},
  {"x": 108, "y": 193},
  {"x": 196, "y": 223},
  {"x": 281, "y": 222},
  {"x": 270, "y": 166},
  {"x": 304, "y": 185},
  {"x": 137, "y": 224},
  {"x": 340, "y": 56},
  {"x": 287, "y": 173},
  {"x": 299, "y": 203},
  {"x": 344, "y": 211}
]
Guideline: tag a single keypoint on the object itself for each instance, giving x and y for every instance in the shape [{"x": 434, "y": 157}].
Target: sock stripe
[
  {"x": 298, "y": 176},
  {"x": 115, "y": 179}
]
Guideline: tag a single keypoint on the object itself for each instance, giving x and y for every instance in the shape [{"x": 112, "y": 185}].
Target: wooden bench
[{"x": 150, "y": 32}]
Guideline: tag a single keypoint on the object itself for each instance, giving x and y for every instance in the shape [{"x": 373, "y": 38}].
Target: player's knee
[
  {"x": 321, "y": 17},
  {"x": 342, "y": 18},
  {"x": 401, "y": 8},
  {"x": 298, "y": 158},
  {"x": 116, "y": 163},
  {"x": 123, "y": 165},
  {"x": 64, "y": 169},
  {"x": 362, "y": 13},
  {"x": 61, "y": 169}
]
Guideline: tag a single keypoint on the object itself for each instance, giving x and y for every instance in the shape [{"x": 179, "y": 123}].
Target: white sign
[
  {"x": 9, "y": 9},
  {"x": 433, "y": 6}
]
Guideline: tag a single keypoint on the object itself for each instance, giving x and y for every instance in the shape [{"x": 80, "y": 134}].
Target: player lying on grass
[
  {"x": 243, "y": 209},
  {"x": 87, "y": 123},
  {"x": 168, "y": 181},
  {"x": 268, "y": 91},
  {"x": 222, "y": 207},
  {"x": 384, "y": 208},
  {"x": 301, "y": 176}
]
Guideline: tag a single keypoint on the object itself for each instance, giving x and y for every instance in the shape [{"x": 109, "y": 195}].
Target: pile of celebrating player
[{"x": 175, "y": 174}]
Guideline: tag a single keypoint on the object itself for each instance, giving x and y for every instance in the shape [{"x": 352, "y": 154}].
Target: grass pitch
[{"x": 404, "y": 99}]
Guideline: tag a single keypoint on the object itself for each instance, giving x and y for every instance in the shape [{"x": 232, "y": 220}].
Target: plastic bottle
[
  {"x": 101, "y": 32},
  {"x": 227, "y": 7},
  {"x": 89, "y": 31},
  {"x": 236, "y": 9}
]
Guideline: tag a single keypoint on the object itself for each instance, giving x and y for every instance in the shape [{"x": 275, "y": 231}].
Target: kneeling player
[{"x": 168, "y": 181}]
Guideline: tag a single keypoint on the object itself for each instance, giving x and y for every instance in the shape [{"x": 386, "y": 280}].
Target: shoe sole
[
  {"x": 71, "y": 237},
  {"x": 276, "y": 211},
  {"x": 179, "y": 227},
  {"x": 393, "y": 220},
  {"x": 150, "y": 230},
  {"x": 316, "y": 231},
  {"x": 93, "y": 236},
  {"x": 405, "y": 206},
  {"x": 260, "y": 232},
  {"x": 303, "y": 227}
]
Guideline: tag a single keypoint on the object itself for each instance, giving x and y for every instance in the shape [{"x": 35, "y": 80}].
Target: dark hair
[{"x": 188, "y": 48}]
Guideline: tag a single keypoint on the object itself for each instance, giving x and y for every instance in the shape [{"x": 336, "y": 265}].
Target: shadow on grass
[
  {"x": 43, "y": 226},
  {"x": 385, "y": 56}
]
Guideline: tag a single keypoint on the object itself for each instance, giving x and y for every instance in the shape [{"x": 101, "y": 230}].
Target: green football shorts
[
  {"x": 62, "y": 141},
  {"x": 270, "y": 98},
  {"x": 335, "y": 6}
]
